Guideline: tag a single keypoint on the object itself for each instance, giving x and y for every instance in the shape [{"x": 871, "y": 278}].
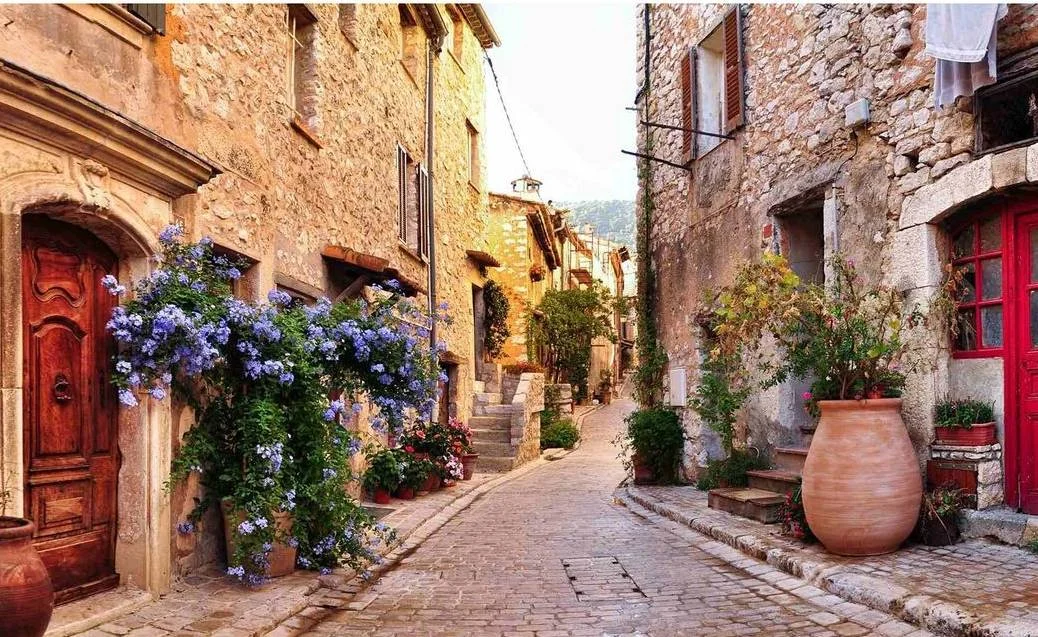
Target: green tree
[{"x": 561, "y": 331}]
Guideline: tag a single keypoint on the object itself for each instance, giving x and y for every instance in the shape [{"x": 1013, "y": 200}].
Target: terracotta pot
[
  {"x": 432, "y": 483},
  {"x": 861, "y": 481},
  {"x": 468, "y": 465},
  {"x": 282, "y": 557},
  {"x": 381, "y": 496},
  {"x": 977, "y": 435},
  {"x": 642, "y": 471},
  {"x": 405, "y": 493},
  {"x": 26, "y": 594}
]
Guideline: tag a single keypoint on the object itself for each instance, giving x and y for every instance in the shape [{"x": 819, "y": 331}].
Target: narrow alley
[{"x": 504, "y": 567}]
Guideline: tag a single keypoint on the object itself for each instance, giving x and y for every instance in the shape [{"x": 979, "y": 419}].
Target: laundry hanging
[{"x": 963, "y": 39}]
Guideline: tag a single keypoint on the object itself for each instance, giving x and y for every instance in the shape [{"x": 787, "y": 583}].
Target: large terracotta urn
[
  {"x": 26, "y": 594},
  {"x": 861, "y": 480}
]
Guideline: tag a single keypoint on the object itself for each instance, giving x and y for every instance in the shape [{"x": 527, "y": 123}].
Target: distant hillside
[{"x": 613, "y": 219}]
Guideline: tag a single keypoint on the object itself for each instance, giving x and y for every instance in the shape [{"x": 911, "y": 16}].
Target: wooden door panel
[
  {"x": 69, "y": 407},
  {"x": 1024, "y": 445}
]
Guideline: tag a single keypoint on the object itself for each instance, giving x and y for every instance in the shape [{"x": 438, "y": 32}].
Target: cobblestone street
[{"x": 550, "y": 553}]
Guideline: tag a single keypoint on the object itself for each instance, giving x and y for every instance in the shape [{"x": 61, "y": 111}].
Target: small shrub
[
  {"x": 794, "y": 519},
  {"x": 963, "y": 413},
  {"x": 384, "y": 470},
  {"x": 560, "y": 433},
  {"x": 1032, "y": 546},
  {"x": 524, "y": 367},
  {"x": 658, "y": 439},
  {"x": 731, "y": 471}
]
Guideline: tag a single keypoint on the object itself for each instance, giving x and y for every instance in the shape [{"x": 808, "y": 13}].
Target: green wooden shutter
[{"x": 153, "y": 14}]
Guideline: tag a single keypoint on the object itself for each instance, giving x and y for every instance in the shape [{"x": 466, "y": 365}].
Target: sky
[{"x": 567, "y": 74}]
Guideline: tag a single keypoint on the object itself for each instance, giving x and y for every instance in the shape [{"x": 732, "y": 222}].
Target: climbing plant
[{"x": 496, "y": 318}]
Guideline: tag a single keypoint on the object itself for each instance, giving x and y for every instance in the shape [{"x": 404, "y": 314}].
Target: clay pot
[
  {"x": 861, "y": 481},
  {"x": 380, "y": 496},
  {"x": 282, "y": 557},
  {"x": 405, "y": 493},
  {"x": 938, "y": 531},
  {"x": 643, "y": 473},
  {"x": 432, "y": 482},
  {"x": 26, "y": 594},
  {"x": 468, "y": 465},
  {"x": 977, "y": 435}
]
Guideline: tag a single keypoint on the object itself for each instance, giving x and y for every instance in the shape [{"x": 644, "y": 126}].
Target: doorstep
[
  {"x": 975, "y": 588},
  {"x": 1001, "y": 523},
  {"x": 83, "y": 614}
]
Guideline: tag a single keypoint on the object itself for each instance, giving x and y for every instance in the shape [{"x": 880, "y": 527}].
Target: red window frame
[{"x": 976, "y": 257}]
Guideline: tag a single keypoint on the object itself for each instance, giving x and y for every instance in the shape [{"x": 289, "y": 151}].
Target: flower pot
[
  {"x": 380, "y": 496},
  {"x": 861, "y": 481},
  {"x": 642, "y": 471},
  {"x": 468, "y": 465},
  {"x": 977, "y": 435},
  {"x": 405, "y": 493},
  {"x": 432, "y": 483},
  {"x": 282, "y": 557},
  {"x": 26, "y": 594},
  {"x": 938, "y": 531}
]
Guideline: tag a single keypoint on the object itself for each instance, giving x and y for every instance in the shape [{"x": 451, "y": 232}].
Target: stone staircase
[
  {"x": 762, "y": 500},
  {"x": 491, "y": 426}
]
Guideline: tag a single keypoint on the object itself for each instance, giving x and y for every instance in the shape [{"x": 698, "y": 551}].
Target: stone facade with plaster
[
  {"x": 887, "y": 194},
  {"x": 119, "y": 129}
]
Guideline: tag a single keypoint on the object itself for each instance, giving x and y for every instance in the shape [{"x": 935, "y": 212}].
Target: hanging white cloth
[{"x": 963, "y": 39}]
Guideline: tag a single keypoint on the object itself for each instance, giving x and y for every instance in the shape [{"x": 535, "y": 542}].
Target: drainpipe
[{"x": 435, "y": 43}]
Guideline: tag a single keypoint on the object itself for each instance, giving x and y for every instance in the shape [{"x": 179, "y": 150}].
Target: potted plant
[
  {"x": 383, "y": 475},
  {"x": 855, "y": 343},
  {"x": 966, "y": 422},
  {"x": 413, "y": 472},
  {"x": 26, "y": 593},
  {"x": 938, "y": 517},
  {"x": 461, "y": 447},
  {"x": 537, "y": 272},
  {"x": 651, "y": 445},
  {"x": 605, "y": 386}
]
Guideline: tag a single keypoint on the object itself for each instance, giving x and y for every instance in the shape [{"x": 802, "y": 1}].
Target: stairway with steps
[
  {"x": 762, "y": 500},
  {"x": 491, "y": 425}
]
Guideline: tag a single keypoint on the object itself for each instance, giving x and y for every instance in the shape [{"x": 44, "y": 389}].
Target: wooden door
[
  {"x": 1025, "y": 350},
  {"x": 69, "y": 405}
]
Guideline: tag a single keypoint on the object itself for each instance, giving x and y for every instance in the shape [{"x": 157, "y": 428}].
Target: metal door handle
[{"x": 61, "y": 389}]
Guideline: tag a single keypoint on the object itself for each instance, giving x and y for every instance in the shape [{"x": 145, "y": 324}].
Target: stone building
[
  {"x": 523, "y": 235},
  {"x": 296, "y": 136},
  {"x": 819, "y": 135}
]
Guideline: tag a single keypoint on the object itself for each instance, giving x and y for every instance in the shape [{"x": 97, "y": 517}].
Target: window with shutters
[
  {"x": 712, "y": 87},
  {"x": 424, "y": 228},
  {"x": 413, "y": 210},
  {"x": 475, "y": 162},
  {"x": 409, "y": 41},
  {"x": 348, "y": 22},
  {"x": 154, "y": 15},
  {"x": 302, "y": 83},
  {"x": 457, "y": 34}
]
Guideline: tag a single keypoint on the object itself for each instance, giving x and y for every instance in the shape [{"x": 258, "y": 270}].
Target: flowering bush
[
  {"x": 445, "y": 444},
  {"x": 794, "y": 519},
  {"x": 259, "y": 377}
]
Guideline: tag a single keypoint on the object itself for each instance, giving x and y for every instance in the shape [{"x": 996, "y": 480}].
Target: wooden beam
[{"x": 353, "y": 289}]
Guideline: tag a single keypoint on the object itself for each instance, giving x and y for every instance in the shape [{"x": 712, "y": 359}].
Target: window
[
  {"x": 302, "y": 66},
  {"x": 413, "y": 210},
  {"x": 976, "y": 252},
  {"x": 408, "y": 41},
  {"x": 348, "y": 21},
  {"x": 152, "y": 14},
  {"x": 712, "y": 87},
  {"x": 474, "y": 159},
  {"x": 457, "y": 35},
  {"x": 801, "y": 239},
  {"x": 1007, "y": 113},
  {"x": 246, "y": 285}
]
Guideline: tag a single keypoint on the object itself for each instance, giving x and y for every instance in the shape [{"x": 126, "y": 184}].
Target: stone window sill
[
  {"x": 308, "y": 134},
  {"x": 409, "y": 73},
  {"x": 412, "y": 254},
  {"x": 117, "y": 20}
]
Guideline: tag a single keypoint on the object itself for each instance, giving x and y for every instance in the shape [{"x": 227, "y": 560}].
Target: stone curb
[{"x": 936, "y": 615}]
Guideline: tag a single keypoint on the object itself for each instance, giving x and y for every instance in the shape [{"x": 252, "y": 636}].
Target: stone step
[
  {"x": 777, "y": 480},
  {"x": 492, "y": 435},
  {"x": 490, "y": 422},
  {"x": 499, "y": 410},
  {"x": 755, "y": 504},
  {"x": 487, "y": 398},
  {"x": 495, "y": 464},
  {"x": 790, "y": 459},
  {"x": 486, "y": 447}
]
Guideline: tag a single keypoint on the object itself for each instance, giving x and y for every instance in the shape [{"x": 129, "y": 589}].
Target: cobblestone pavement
[
  {"x": 1002, "y": 586},
  {"x": 550, "y": 553}
]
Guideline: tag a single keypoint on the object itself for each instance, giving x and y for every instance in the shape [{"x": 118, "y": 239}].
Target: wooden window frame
[
  {"x": 733, "y": 80},
  {"x": 474, "y": 155},
  {"x": 403, "y": 163},
  {"x": 424, "y": 228},
  {"x": 976, "y": 257},
  {"x": 298, "y": 17}
]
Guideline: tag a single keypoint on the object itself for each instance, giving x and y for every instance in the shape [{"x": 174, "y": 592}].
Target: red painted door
[
  {"x": 1025, "y": 335},
  {"x": 69, "y": 407}
]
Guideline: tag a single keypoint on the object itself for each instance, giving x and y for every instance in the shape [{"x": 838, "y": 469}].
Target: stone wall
[
  {"x": 527, "y": 404},
  {"x": 871, "y": 185},
  {"x": 215, "y": 84}
]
